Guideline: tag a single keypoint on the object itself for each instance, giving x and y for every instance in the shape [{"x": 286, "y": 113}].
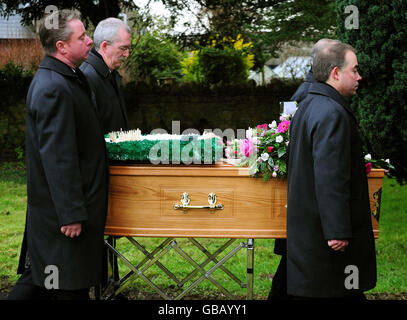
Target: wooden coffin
[{"x": 145, "y": 201}]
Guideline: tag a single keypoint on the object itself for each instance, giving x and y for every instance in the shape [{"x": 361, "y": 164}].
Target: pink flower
[
  {"x": 246, "y": 147},
  {"x": 283, "y": 126},
  {"x": 270, "y": 148},
  {"x": 263, "y": 126},
  {"x": 368, "y": 167}
]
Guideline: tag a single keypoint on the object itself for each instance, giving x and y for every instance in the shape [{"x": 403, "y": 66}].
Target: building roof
[
  {"x": 293, "y": 68},
  {"x": 11, "y": 28}
]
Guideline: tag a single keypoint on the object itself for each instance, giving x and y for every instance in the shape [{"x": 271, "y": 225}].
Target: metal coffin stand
[
  {"x": 215, "y": 201},
  {"x": 116, "y": 285}
]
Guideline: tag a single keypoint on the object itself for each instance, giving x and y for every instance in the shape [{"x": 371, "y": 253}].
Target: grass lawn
[{"x": 391, "y": 248}]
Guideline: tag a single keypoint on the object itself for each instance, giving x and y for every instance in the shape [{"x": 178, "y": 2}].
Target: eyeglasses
[{"x": 122, "y": 48}]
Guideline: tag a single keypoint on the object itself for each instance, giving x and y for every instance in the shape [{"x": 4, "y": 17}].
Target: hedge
[{"x": 151, "y": 107}]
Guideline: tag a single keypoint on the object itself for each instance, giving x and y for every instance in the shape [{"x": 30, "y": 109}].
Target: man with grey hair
[
  {"x": 67, "y": 172},
  {"x": 330, "y": 244},
  {"x": 112, "y": 40},
  {"x": 279, "y": 285}
]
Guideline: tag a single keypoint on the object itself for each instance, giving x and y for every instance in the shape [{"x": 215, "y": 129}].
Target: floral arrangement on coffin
[
  {"x": 264, "y": 150},
  {"x": 374, "y": 163}
]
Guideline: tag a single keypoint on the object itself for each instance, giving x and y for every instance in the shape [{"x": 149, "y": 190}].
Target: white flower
[
  {"x": 274, "y": 174},
  {"x": 265, "y": 156},
  {"x": 279, "y": 139},
  {"x": 249, "y": 133},
  {"x": 284, "y": 116},
  {"x": 273, "y": 124},
  {"x": 387, "y": 160},
  {"x": 368, "y": 157}
]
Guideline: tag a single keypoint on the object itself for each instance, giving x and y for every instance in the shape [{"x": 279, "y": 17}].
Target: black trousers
[
  {"x": 279, "y": 284},
  {"x": 25, "y": 289},
  {"x": 279, "y": 288}
]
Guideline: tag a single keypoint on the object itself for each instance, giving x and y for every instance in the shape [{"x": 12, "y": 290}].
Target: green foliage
[
  {"x": 14, "y": 83},
  {"x": 153, "y": 56},
  {"x": 289, "y": 21},
  {"x": 381, "y": 102},
  {"x": 192, "y": 68},
  {"x": 94, "y": 11},
  {"x": 224, "y": 60},
  {"x": 222, "y": 65},
  {"x": 267, "y": 24}
]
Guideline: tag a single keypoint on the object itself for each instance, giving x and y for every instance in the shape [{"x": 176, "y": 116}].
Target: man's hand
[
  {"x": 338, "y": 244},
  {"x": 72, "y": 230}
]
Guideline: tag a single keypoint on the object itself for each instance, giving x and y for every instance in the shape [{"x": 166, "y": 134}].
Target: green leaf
[{"x": 281, "y": 152}]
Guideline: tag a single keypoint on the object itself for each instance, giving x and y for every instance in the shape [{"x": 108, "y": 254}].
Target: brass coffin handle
[{"x": 186, "y": 199}]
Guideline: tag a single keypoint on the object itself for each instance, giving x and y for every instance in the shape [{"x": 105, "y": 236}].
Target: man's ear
[
  {"x": 60, "y": 45},
  {"x": 335, "y": 73},
  {"x": 103, "y": 46}
]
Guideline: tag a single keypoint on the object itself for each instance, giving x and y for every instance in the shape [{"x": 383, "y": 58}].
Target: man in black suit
[
  {"x": 330, "y": 244},
  {"x": 279, "y": 284},
  {"x": 67, "y": 172},
  {"x": 112, "y": 40}
]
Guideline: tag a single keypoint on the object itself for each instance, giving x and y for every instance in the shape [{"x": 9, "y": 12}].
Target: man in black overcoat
[
  {"x": 112, "y": 44},
  {"x": 279, "y": 285},
  {"x": 330, "y": 243},
  {"x": 66, "y": 172},
  {"x": 112, "y": 40}
]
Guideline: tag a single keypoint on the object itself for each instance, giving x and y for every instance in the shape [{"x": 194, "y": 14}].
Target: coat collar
[
  {"x": 310, "y": 77},
  {"x": 57, "y": 65},
  {"x": 96, "y": 60},
  {"x": 325, "y": 89}
]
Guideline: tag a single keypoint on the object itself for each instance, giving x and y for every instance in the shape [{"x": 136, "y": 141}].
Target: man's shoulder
[
  {"x": 49, "y": 81},
  {"x": 95, "y": 65},
  {"x": 301, "y": 93},
  {"x": 88, "y": 69},
  {"x": 323, "y": 103},
  {"x": 95, "y": 80},
  {"x": 92, "y": 73},
  {"x": 324, "y": 110}
]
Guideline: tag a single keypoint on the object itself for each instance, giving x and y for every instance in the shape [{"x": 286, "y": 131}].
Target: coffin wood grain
[{"x": 141, "y": 200}]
